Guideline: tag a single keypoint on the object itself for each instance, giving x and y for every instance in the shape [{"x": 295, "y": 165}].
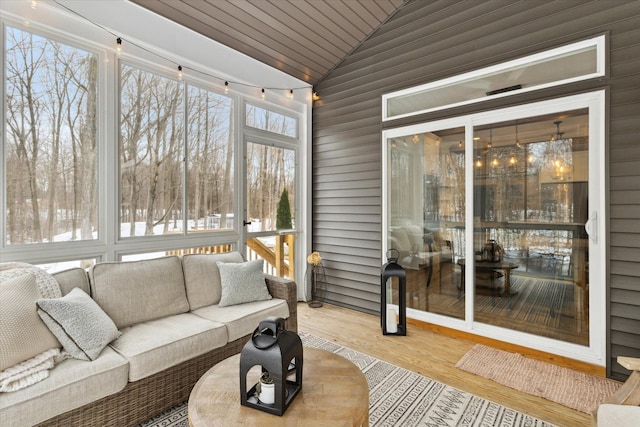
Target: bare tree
[
  {"x": 133, "y": 126},
  {"x": 23, "y": 121}
]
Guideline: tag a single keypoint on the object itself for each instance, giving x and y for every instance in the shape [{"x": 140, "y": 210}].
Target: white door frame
[{"x": 595, "y": 352}]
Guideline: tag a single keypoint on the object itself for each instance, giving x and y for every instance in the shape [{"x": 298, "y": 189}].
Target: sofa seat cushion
[
  {"x": 71, "y": 384},
  {"x": 138, "y": 291},
  {"x": 154, "y": 346},
  {"x": 242, "y": 319}
]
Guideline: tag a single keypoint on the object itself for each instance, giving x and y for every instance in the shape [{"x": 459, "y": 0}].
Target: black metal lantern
[
  {"x": 279, "y": 353},
  {"x": 391, "y": 273}
]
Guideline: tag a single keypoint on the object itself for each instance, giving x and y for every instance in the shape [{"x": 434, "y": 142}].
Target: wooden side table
[{"x": 334, "y": 392}]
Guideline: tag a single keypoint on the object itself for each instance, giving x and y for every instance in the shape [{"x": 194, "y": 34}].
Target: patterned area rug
[
  {"x": 567, "y": 387},
  {"x": 398, "y": 397}
]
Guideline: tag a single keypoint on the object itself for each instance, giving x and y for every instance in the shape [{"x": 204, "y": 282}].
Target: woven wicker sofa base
[{"x": 140, "y": 400}]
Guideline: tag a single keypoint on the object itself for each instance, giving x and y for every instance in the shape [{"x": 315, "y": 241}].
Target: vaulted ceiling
[{"x": 303, "y": 38}]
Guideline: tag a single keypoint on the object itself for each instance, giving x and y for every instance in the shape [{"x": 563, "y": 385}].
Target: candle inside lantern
[{"x": 392, "y": 325}]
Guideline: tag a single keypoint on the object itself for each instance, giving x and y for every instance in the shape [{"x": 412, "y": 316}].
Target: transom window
[
  {"x": 574, "y": 62},
  {"x": 272, "y": 121}
]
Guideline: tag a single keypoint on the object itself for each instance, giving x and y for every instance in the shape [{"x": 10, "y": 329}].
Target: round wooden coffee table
[{"x": 334, "y": 392}]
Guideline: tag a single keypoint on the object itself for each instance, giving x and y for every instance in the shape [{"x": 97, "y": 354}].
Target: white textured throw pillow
[
  {"x": 79, "y": 323},
  {"x": 242, "y": 282},
  {"x": 22, "y": 333}
]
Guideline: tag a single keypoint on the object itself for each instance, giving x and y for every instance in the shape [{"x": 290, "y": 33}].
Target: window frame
[
  {"x": 595, "y": 351},
  {"x": 50, "y": 21},
  {"x": 61, "y": 250}
]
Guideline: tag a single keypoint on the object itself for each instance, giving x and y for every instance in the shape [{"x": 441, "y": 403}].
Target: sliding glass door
[
  {"x": 495, "y": 217},
  {"x": 531, "y": 198}
]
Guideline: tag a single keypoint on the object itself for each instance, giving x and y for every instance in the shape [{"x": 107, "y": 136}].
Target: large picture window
[
  {"x": 154, "y": 158},
  {"x": 50, "y": 140}
]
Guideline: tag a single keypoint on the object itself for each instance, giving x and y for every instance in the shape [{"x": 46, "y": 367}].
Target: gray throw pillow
[
  {"x": 79, "y": 323},
  {"x": 242, "y": 282}
]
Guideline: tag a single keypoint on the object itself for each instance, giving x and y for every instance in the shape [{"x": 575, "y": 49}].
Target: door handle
[
  {"x": 591, "y": 227},
  {"x": 245, "y": 222}
]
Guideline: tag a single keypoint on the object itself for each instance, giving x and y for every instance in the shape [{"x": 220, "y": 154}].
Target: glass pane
[
  {"x": 50, "y": 140},
  {"x": 55, "y": 267},
  {"x": 271, "y": 121},
  {"x": 270, "y": 188},
  {"x": 530, "y": 207},
  {"x": 426, "y": 217},
  {"x": 210, "y": 161},
  {"x": 151, "y": 153}
]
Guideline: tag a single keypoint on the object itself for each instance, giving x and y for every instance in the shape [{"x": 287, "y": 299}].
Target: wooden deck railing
[
  {"x": 218, "y": 249},
  {"x": 278, "y": 258},
  {"x": 279, "y": 261}
]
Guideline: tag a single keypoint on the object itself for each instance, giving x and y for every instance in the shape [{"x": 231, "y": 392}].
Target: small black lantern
[
  {"x": 279, "y": 353},
  {"x": 389, "y": 271}
]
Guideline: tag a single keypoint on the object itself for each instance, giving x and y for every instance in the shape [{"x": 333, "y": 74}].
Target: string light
[
  {"x": 290, "y": 95},
  {"x": 263, "y": 95},
  {"x": 316, "y": 96},
  {"x": 119, "y": 41},
  {"x": 118, "y": 45},
  {"x": 179, "y": 72},
  {"x": 226, "y": 87},
  {"x": 34, "y": 4}
]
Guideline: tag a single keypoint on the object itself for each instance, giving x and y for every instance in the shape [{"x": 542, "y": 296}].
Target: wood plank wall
[{"x": 429, "y": 40}]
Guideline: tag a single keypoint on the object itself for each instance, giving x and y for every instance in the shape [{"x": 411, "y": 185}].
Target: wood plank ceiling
[{"x": 303, "y": 38}]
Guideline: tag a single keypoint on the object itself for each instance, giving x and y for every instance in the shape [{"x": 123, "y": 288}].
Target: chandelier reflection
[
  {"x": 559, "y": 155},
  {"x": 550, "y": 158}
]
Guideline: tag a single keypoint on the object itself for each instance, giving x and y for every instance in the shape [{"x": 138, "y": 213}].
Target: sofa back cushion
[
  {"x": 202, "y": 277},
  {"x": 137, "y": 291},
  {"x": 72, "y": 278}
]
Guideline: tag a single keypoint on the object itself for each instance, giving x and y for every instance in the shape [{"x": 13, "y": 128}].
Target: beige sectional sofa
[{"x": 173, "y": 329}]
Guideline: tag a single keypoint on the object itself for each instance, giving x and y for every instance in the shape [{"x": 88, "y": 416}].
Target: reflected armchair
[{"x": 418, "y": 251}]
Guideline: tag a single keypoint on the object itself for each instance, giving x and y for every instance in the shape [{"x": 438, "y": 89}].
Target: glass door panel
[
  {"x": 270, "y": 218},
  {"x": 530, "y": 195},
  {"x": 426, "y": 209}
]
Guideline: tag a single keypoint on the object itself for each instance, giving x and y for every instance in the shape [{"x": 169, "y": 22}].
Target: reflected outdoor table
[{"x": 503, "y": 266}]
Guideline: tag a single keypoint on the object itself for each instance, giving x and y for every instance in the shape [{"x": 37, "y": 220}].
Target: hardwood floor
[{"x": 429, "y": 353}]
